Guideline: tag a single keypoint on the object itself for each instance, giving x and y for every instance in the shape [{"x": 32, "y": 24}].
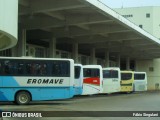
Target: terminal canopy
[{"x": 89, "y": 23}]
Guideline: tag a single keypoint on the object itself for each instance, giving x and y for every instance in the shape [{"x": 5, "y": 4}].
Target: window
[
  {"x": 23, "y": 68},
  {"x": 20, "y": 68},
  {"x": 91, "y": 72},
  {"x": 43, "y": 69},
  {"x": 30, "y": 68},
  {"x": 141, "y": 26},
  {"x": 126, "y": 76},
  {"x": 36, "y": 68},
  {"x": 7, "y": 52},
  {"x": 77, "y": 72},
  {"x": 139, "y": 76},
  {"x": 12, "y": 67},
  {"x": 110, "y": 74},
  {"x": 61, "y": 69},
  {"x": 148, "y": 15},
  {"x": 9, "y": 67},
  {"x": 1, "y": 68},
  {"x": 151, "y": 69}
]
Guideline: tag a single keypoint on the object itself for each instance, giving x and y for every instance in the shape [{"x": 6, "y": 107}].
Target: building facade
[{"x": 147, "y": 18}]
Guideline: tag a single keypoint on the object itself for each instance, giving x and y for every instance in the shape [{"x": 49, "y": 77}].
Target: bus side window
[
  {"x": 20, "y": 69},
  {"x": 61, "y": 69},
  {"x": 28, "y": 68},
  {"x": 43, "y": 69},
  {"x": 56, "y": 69},
  {"x": 1, "y": 69},
  {"x": 37, "y": 67},
  {"x": 64, "y": 69},
  {"x": 7, "y": 67}
]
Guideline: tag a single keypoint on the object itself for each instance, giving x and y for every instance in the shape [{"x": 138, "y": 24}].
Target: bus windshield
[
  {"x": 139, "y": 76},
  {"x": 110, "y": 74},
  {"x": 91, "y": 72},
  {"x": 77, "y": 72},
  {"x": 126, "y": 76}
]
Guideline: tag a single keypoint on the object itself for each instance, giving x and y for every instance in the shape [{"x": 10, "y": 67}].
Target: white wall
[
  {"x": 153, "y": 76},
  {"x": 139, "y": 17},
  {"x": 8, "y": 23},
  {"x": 156, "y": 22}
]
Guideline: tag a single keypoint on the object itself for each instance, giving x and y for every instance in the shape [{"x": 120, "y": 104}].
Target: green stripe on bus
[{"x": 130, "y": 84}]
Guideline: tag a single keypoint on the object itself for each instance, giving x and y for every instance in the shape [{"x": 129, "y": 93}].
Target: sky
[{"x": 130, "y": 3}]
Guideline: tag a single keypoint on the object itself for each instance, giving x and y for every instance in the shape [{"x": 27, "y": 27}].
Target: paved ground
[{"x": 149, "y": 101}]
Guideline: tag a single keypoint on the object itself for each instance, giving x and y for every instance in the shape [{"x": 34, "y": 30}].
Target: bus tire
[{"x": 22, "y": 98}]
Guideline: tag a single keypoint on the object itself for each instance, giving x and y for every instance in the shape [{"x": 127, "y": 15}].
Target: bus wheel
[{"x": 22, "y": 98}]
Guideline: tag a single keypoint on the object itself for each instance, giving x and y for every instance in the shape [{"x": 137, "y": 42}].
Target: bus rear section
[
  {"x": 111, "y": 80},
  {"x": 92, "y": 80},
  {"x": 140, "y": 81},
  {"x": 34, "y": 79},
  {"x": 78, "y": 79},
  {"x": 127, "y": 79}
]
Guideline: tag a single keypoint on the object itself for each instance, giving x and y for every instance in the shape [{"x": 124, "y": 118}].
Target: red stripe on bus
[{"x": 95, "y": 81}]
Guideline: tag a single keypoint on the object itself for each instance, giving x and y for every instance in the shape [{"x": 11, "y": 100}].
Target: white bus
[
  {"x": 32, "y": 79},
  {"x": 78, "y": 77},
  {"x": 92, "y": 80},
  {"x": 111, "y": 80},
  {"x": 140, "y": 81}
]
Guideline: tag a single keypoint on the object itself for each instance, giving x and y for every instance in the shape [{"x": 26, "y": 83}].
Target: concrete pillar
[
  {"x": 14, "y": 51},
  {"x": 106, "y": 58},
  {"x": 52, "y": 48},
  {"x": 119, "y": 61},
  {"x": 87, "y": 62},
  {"x": 75, "y": 52},
  {"x": 136, "y": 65},
  {"x": 21, "y": 43},
  {"x": 93, "y": 56},
  {"x": 128, "y": 63}
]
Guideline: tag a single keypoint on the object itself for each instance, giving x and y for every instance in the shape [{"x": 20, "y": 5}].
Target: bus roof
[
  {"x": 92, "y": 66},
  {"x": 32, "y": 58},
  {"x": 127, "y": 72},
  {"x": 78, "y": 65},
  {"x": 140, "y": 72},
  {"x": 111, "y": 68}
]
